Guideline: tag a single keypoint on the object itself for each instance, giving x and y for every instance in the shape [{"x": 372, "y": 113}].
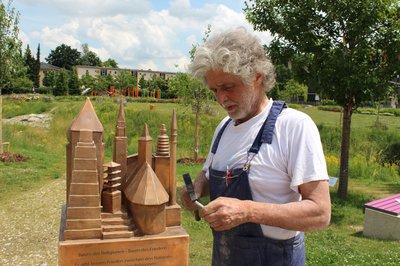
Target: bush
[
  {"x": 328, "y": 102},
  {"x": 19, "y": 90},
  {"x": 368, "y": 169},
  {"x": 331, "y": 138},
  {"x": 391, "y": 154},
  {"x": 43, "y": 90},
  {"x": 332, "y": 108},
  {"x": 394, "y": 111}
]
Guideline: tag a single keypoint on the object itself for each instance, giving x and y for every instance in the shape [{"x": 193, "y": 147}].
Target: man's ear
[{"x": 259, "y": 79}]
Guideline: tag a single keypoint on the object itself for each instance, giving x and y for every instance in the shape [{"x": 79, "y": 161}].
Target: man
[{"x": 266, "y": 173}]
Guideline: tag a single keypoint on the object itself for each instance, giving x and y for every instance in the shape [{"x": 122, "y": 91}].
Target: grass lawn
[{"x": 31, "y": 192}]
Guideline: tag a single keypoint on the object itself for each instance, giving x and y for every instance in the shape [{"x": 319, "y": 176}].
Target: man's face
[{"x": 240, "y": 101}]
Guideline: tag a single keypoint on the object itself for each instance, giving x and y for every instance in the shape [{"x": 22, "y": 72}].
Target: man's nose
[{"x": 221, "y": 96}]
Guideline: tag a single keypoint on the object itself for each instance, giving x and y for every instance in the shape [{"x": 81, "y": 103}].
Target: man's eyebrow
[{"x": 224, "y": 84}]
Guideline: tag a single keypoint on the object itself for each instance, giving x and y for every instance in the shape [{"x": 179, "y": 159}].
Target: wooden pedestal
[
  {"x": 170, "y": 248},
  {"x": 111, "y": 201}
]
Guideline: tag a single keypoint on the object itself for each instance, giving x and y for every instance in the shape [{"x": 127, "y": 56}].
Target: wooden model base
[{"x": 168, "y": 248}]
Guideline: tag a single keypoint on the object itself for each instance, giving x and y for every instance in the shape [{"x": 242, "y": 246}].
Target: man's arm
[
  {"x": 201, "y": 187},
  {"x": 311, "y": 213}
]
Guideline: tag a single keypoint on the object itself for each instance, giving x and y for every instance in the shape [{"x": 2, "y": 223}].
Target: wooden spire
[
  {"x": 121, "y": 142},
  {"x": 87, "y": 119},
  {"x": 121, "y": 125},
  {"x": 163, "y": 142},
  {"x": 145, "y": 149}
]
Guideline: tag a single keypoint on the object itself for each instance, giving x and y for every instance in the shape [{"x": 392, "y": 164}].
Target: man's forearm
[
  {"x": 299, "y": 216},
  {"x": 311, "y": 213}
]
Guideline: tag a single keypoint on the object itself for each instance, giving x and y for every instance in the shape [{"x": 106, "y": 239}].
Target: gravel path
[
  {"x": 34, "y": 120},
  {"x": 29, "y": 226}
]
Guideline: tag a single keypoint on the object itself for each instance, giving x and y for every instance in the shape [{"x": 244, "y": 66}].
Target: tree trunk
[
  {"x": 344, "y": 157},
  {"x": 196, "y": 134},
  {"x": 1, "y": 123},
  {"x": 378, "y": 111}
]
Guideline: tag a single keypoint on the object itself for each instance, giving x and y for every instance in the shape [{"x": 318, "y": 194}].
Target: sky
[{"x": 137, "y": 34}]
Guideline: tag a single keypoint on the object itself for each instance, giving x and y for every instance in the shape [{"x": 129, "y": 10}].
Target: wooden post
[
  {"x": 1, "y": 123},
  {"x": 172, "y": 176}
]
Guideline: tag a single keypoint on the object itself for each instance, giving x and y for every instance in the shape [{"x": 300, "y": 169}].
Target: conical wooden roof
[
  {"x": 145, "y": 188},
  {"x": 87, "y": 119}
]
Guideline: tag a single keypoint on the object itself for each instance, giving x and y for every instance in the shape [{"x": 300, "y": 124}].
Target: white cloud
[
  {"x": 132, "y": 33},
  {"x": 53, "y": 37},
  {"x": 148, "y": 64},
  {"x": 24, "y": 39},
  {"x": 115, "y": 34},
  {"x": 102, "y": 53}
]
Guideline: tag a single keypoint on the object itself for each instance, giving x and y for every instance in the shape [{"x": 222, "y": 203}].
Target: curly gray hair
[{"x": 237, "y": 52}]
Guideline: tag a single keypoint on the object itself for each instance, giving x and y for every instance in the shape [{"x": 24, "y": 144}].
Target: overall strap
[
  {"x": 264, "y": 135},
  {"x": 267, "y": 129},
  {"x": 218, "y": 138}
]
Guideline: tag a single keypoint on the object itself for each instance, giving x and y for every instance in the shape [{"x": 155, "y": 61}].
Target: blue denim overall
[{"x": 245, "y": 244}]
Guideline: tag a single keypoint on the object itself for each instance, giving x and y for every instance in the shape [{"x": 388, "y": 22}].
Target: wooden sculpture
[{"x": 127, "y": 214}]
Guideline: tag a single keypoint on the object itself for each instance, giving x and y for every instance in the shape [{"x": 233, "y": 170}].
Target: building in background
[{"x": 138, "y": 73}]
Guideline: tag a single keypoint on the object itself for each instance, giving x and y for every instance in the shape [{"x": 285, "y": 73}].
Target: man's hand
[
  {"x": 186, "y": 201},
  {"x": 224, "y": 213}
]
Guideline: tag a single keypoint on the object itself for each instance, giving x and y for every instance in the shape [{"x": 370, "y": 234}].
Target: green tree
[
  {"x": 110, "y": 63},
  {"x": 50, "y": 79},
  {"x": 101, "y": 83},
  {"x": 110, "y": 80},
  {"x": 195, "y": 94},
  {"x": 156, "y": 83},
  {"x": 11, "y": 59},
  {"x": 21, "y": 84},
  {"x": 73, "y": 84},
  {"x": 293, "y": 91},
  {"x": 124, "y": 80},
  {"x": 143, "y": 85},
  {"x": 89, "y": 58},
  {"x": 64, "y": 56},
  {"x": 343, "y": 40},
  {"x": 37, "y": 68},
  {"x": 29, "y": 63},
  {"x": 61, "y": 87},
  {"x": 88, "y": 82},
  {"x": 10, "y": 45},
  {"x": 283, "y": 75}
]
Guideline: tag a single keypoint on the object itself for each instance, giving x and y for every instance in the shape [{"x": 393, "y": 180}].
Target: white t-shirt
[{"x": 294, "y": 157}]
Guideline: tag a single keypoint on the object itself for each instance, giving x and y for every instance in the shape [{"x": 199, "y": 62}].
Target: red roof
[{"x": 390, "y": 205}]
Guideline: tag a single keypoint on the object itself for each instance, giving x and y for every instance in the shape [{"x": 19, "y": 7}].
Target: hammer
[{"x": 192, "y": 194}]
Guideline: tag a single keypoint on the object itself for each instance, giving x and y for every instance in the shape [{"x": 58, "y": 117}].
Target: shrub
[
  {"x": 394, "y": 111},
  {"x": 43, "y": 90},
  {"x": 332, "y": 108},
  {"x": 328, "y": 102},
  {"x": 368, "y": 169},
  {"x": 331, "y": 138}
]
